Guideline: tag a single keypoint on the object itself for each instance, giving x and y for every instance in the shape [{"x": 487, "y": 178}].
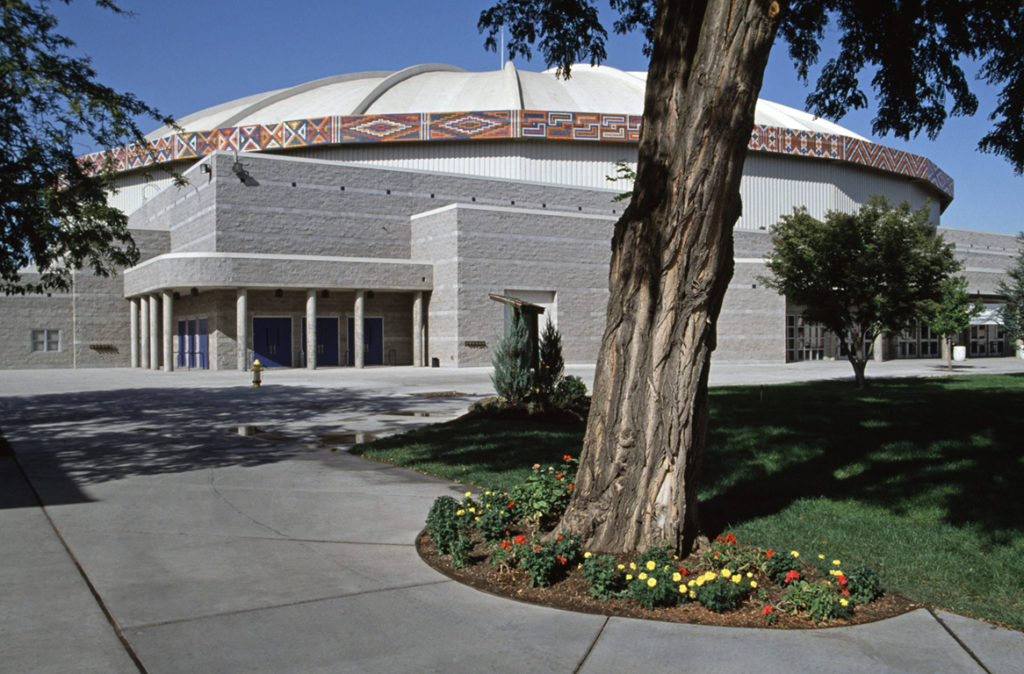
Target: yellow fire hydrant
[{"x": 257, "y": 370}]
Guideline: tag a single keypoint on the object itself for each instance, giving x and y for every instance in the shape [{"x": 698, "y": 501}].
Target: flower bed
[{"x": 503, "y": 542}]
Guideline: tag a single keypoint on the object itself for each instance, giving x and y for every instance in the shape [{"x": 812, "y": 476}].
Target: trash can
[{"x": 959, "y": 353}]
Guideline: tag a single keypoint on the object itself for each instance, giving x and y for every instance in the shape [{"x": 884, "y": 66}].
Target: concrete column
[
  {"x": 242, "y": 328},
  {"x": 133, "y": 331},
  {"x": 144, "y": 333},
  {"x": 417, "y": 328},
  {"x": 168, "y": 331},
  {"x": 359, "y": 341},
  {"x": 154, "y": 332},
  {"x": 310, "y": 335}
]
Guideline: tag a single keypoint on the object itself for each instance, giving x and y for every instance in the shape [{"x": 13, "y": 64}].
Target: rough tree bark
[{"x": 672, "y": 258}]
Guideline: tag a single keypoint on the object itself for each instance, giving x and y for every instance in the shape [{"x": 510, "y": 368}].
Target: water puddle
[
  {"x": 346, "y": 438},
  {"x": 406, "y": 413},
  {"x": 254, "y": 431}
]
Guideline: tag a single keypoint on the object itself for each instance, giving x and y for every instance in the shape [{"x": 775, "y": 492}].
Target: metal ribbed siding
[
  {"x": 134, "y": 189},
  {"x": 576, "y": 164},
  {"x": 773, "y": 185}
]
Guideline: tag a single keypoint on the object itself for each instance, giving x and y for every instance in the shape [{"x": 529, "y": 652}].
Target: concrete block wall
[{"x": 513, "y": 248}]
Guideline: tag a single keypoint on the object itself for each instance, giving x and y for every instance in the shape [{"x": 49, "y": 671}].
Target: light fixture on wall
[
  {"x": 239, "y": 170},
  {"x": 325, "y": 294},
  {"x": 177, "y": 295},
  {"x": 278, "y": 293},
  {"x": 193, "y": 291},
  {"x": 205, "y": 168}
]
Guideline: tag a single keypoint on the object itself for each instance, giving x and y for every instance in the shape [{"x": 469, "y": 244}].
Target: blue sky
[{"x": 186, "y": 55}]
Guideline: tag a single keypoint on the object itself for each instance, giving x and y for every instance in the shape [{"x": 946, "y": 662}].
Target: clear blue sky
[{"x": 186, "y": 55}]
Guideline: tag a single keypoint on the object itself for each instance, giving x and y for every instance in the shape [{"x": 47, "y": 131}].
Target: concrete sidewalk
[{"x": 192, "y": 523}]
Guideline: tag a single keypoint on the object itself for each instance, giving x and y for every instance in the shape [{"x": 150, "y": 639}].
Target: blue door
[
  {"x": 272, "y": 341},
  {"x": 373, "y": 341},
  {"x": 203, "y": 345},
  {"x": 191, "y": 344},
  {"x": 326, "y": 342}
]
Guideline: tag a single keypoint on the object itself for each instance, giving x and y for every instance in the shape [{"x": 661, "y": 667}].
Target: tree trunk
[
  {"x": 859, "y": 364},
  {"x": 672, "y": 258}
]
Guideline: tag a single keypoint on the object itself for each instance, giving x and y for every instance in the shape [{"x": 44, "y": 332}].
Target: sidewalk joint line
[
  {"x": 118, "y": 632},
  {"x": 958, "y": 640},
  {"x": 593, "y": 643},
  {"x": 271, "y": 607}
]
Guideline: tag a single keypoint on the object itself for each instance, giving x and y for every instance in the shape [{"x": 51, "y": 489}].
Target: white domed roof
[{"x": 445, "y": 88}]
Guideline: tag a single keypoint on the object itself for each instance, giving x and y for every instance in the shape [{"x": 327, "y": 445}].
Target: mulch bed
[{"x": 571, "y": 593}]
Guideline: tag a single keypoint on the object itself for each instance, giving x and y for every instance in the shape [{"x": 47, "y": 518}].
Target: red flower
[
  {"x": 767, "y": 609},
  {"x": 561, "y": 560},
  {"x": 683, "y": 571},
  {"x": 728, "y": 539},
  {"x": 846, "y": 593},
  {"x": 507, "y": 545},
  {"x": 559, "y": 538},
  {"x": 570, "y": 486},
  {"x": 792, "y": 575},
  {"x": 520, "y": 539},
  {"x": 768, "y": 555},
  {"x": 511, "y": 504},
  {"x": 559, "y": 476},
  {"x": 841, "y": 578},
  {"x": 566, "y": 457},
  {"x": 539, "y": 548}
]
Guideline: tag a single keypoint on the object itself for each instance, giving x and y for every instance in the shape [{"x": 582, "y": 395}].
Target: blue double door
[
  {"x": 194, "y": 344},
  {"x": 272, "y": 341},
  {"x": 326, "y": 342},
  {"x": 373, "y": 341}
]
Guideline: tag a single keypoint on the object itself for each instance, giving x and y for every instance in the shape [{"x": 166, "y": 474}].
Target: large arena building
[{"x": 365, "y": 219}]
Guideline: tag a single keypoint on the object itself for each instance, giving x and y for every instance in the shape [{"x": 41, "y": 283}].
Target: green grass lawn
[{"x": 921, "y": 477}]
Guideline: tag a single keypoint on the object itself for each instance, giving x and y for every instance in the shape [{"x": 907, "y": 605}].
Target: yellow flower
[
  {"x": 651, "y": 566},
  {"x": 821, "y": 556},
  {"x": 736, "y": 579},
  {"x": 642, "y": 576},
  {"x": 621, "y": 567},
  {"x": 472, "y": 510},
  {"x": 460, "y": 512},
  {"x": 750, "y": 574},
  {"x": 700, "y": 581},
  {"x": 676, "y": 577},
  {"x": 476, "y": 519},
  {"x": 691, "y": 583},
  {"x": 651, "y": 582},
  {"x": 487, "y": 493},
  {"x": 836, "y": 562},
  {"x": 693, "y": 595},
  {"x": 586, "y": 555},
  {"x": 753, "y": 583},
  {"x": 726, "y": 573},
  {"x": 469, "y": 493},
  {"x": 487, "y": 505},
  {"x": 844, "y": 602},
  {"x": 794, "y": 553},
  {"x": 682, "y": 589},
  {"x": 629, "y": 576},
  {"x": 632, "y": 566}
]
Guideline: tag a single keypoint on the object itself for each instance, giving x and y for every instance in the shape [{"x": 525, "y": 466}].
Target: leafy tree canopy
[
  {"x": 860, "y": 274},
  {"x": 53, "y": 210},
  {"x": 916, "y": 51},
  {"x": 1013, "y": 311},
  {"x": 950, "y": 313}
]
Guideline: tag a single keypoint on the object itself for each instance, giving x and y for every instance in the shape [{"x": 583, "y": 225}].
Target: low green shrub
[
  {"x": 547, "y": 561},
  {"x": 603, "y": 576}
]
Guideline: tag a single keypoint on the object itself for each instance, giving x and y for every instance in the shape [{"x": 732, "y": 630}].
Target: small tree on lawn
[
  {"x": 551, "y": 362},
  {"x": 1013, "y": 311},
  {"x": 860, "y": 274},
  {"x": 951, "y": 313},
  {"x": 513, "y": 377}
]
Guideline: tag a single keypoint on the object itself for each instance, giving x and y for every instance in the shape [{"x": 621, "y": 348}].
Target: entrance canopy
[{"x": 991, "y": 315}]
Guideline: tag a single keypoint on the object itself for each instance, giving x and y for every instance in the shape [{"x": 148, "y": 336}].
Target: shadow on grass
[
  {"x": 486, "y": 452},
  {"x": 947, "y": 445}
]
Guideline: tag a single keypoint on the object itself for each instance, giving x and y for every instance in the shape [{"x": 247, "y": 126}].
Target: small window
[{"x": 46, "y": 340}]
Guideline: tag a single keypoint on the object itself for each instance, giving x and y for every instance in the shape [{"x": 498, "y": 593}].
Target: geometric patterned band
[{"x": 497, "y": 124}]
